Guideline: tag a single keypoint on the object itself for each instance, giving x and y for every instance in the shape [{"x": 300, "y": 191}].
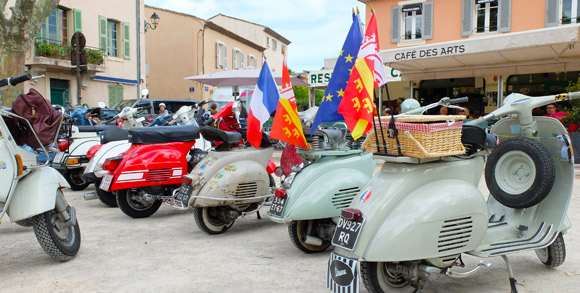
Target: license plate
[
  {"x": 278, "y": 205},
  {"x": 184, "y": 193},
  {"x": 58, "y": 158},
  {"x": 106, "y": 182},
  {"x": 347, "y": 232},
  {"x": 342, "y": 274}
]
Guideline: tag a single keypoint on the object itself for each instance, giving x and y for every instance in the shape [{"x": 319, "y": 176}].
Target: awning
[
  {"x": 535, "y": 51},
  {"x": 239, "y": 77}
]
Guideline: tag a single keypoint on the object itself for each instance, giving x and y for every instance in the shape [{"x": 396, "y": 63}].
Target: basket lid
[{"x": 422, "y": 118}]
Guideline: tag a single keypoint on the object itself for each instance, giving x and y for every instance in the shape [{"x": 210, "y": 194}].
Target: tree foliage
[
  {"x": 301, "y": 94},
  {"x": 18, "y": 26}
]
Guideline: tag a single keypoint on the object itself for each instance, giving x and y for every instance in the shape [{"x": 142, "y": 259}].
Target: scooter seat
[
  {"x": 162, "y": 134},
  {"x": 215, "y": 134},
  {"x": 114, "y": 134},
  {"x": 91, "y": 128}
]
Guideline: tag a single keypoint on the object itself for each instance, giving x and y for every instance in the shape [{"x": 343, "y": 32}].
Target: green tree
[
  {"x": 301, "y": 94},
  {"x": 17, "y": 30}
]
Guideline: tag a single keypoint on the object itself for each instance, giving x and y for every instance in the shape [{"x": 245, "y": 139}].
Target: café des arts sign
[{"x": 429, "y": 52}]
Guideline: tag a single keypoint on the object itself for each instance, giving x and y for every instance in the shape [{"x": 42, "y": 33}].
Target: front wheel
[
  {"x": 553, "y": 255},
  {"x": 381, "y": 277},
  {"x": 60, "y": 241},
  {"x": 136, "y": 203},
  {"x": 213, "y": 220},
  {"x": 108, "y": 198},
  {"x": 74, "y": 177},
  {"x": 298, "y": 232}
]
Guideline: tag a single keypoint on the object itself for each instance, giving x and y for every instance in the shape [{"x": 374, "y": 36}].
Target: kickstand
[
  {"x": 258, "y": 214},
  {"x": 513, "y": 281}
]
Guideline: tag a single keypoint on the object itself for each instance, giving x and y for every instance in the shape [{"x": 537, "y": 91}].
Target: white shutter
[
  {"x": 552, "y": 11},
  {"x": 235, "y": 59},
  {"x": 225, "y": 57},
  {"x": 242, "y": 56},
  {"x": 467, "y": 18},
  {"x": 218, "y": 58},
  {"x": 427, "y": 21},
  {"x": 504, "y": 16},
  {"x": 395, "y": 24}
]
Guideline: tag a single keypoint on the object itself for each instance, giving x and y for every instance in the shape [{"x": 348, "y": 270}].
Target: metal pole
[
  {"x": 380, "y": 109},
  {"x": 410, "y": 89},
  {"x": 138, "y": 12},
  {"x": 78, "y": 72},
  {"x": 500, "y": 91}
]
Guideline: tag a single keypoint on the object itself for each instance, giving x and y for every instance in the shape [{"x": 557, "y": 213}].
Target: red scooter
[{"x": 148, "y": 172}]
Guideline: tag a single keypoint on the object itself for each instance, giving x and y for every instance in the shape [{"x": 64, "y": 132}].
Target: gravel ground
[{"x": 168, "y": 253}]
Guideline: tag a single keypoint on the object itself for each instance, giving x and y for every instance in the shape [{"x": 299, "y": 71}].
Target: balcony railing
[{"x": 60, "y": 50}]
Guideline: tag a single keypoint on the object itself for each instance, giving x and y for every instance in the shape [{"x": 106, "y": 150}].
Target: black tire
[
  {"x": 74, "y": 177},
  {"x": 133, "y": 204},
  {"x": 377, "y": 278},
  {"x": 520, "y": 173},
  {"x": 553, "y": 255},
  {"x": 107, "y": 198},
  {"x": 297, "y": 233},
  {"x": 61, "y": 244},
  {"x": 26, "y": 222},
  {"x": 213, "y": 220}
]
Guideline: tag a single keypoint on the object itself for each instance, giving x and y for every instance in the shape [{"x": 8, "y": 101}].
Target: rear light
[
  {"x": 279, "y": 172},
  {"x": 186, "y": 180},
  {"x": 73, "y": 161},
  {"x": 63, "y": 145},
  {"x": 271, "y": 167},
  {"x": 93, "y": 151},
  {"x": 20, "y": 165},
  {"x": 351, "y": 214},
  {"x": 111, "y": 164},
  {"x": 280, "y": 193}
]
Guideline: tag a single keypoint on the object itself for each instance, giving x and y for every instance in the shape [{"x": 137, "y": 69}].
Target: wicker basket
[{"x": 420, "y": 136}]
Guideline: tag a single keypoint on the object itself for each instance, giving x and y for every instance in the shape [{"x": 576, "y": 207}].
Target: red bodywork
[{"x": 151, "y": 165}]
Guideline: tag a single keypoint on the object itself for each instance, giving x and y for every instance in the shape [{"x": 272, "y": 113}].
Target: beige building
[
  {"x": 184, "y": 45},
  {"x": 274, "y": 43},
  {"x": 113, "y": 39}
]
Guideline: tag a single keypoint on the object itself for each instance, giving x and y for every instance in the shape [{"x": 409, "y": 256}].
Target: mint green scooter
[
  {"x": 424, "y": 214},
  {"x": 322, "y": 182}
]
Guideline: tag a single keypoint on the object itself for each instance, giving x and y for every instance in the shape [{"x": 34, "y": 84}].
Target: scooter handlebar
[
  {"x": 15, "y": 80},
  {"x": 459, "y": 100}
]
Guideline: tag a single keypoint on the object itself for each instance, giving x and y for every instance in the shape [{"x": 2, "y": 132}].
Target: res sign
[{"x": 321, "y": 78}]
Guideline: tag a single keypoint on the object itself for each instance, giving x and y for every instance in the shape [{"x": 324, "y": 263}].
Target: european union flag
[{"x": 328, "y": 109}]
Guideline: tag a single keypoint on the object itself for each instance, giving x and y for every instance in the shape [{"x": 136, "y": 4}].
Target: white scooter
[{"x": 31, "y": 194}]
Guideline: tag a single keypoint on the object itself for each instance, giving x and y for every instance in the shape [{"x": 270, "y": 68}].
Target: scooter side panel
[
  {"x": 108, "y": 150},
  {"x": 78, "y": 149},
  {"x": 7, "y": 169},
  {"x": 35, "y": 193},
  {"x": 321, "y": 189},
  {"x": 427, "y": 224},
  {"x": 236, "y": 180}
]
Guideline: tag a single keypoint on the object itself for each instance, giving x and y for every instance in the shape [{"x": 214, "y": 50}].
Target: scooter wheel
[
  {"x": 213, "y": 220},
  {"x": 74, "y": 177},
  {"x": 135, "y": 205},
  {"x": 380, "y": 277},
  {"x": 553, "y": 255},
  {"x": 107, "y": 198},
  {"x": 520, "y": 173},
  {"x": 297, "y": 230}
]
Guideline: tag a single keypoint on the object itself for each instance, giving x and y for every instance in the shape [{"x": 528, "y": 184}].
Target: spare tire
[{"x": 520, "y": 173}]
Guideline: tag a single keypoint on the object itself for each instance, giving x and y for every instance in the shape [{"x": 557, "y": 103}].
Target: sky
[{"x": 315, "y": 28}]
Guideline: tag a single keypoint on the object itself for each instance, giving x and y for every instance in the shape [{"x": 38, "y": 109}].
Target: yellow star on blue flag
[{"x": 328, "y": 109}]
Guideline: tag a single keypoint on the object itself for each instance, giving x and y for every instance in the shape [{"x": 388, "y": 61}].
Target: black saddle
[
  {"x": 227, "y": 138},
  {"x": 114, "y": 134},
  {"x": 265, "y": 138},
  {"x": 475, "y": 138},
  {"x": 162, "y": 134},
  {"x": 91, "y": 128}
]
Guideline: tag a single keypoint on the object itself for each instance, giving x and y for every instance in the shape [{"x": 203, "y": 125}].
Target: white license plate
[
  {"x": 106, "y": 182},
  {"x": 342, "y": 274},
  {"x": 347, "y": 232},
  {"x": 58, "y": 157}
]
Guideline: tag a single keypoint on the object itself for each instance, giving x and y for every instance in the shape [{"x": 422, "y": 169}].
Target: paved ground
[{"x": 168, "y": 253}]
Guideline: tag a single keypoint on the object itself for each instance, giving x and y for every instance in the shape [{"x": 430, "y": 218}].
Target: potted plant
[{"x": 573, "y": 110}]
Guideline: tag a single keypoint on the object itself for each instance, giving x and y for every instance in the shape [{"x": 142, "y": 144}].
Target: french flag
[{"x": 263, "y": 103}]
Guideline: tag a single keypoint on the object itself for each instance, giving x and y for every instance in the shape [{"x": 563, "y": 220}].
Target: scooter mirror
[
  {"x": 102, "y": 105},
  {"x": 144, "y": 93},
  {"x": 237, "y": 108}
]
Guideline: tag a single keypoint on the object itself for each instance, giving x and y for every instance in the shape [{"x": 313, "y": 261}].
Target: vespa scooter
[
  {"x": 416, "y": 217},
  {"x": 31, "y": 194},
  {"x": 313, "y": 193},
  {"x": 230, "y": 181}
]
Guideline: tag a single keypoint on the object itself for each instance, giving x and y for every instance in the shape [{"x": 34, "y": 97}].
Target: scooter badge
[
  {"x": 365, "y": 196},
  {"x": 2, "y": 165}
]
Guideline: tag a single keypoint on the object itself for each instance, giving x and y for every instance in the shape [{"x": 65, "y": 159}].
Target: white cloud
[{"x": 316, "y": 29}]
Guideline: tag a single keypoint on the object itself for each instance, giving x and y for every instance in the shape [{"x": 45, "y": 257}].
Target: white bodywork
[{"x": 82, "y": 142}]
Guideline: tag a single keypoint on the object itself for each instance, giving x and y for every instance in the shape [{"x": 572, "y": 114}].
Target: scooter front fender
[{"x": 35, "y": 193}]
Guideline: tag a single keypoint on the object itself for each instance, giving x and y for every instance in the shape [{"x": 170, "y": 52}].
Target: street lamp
[{"x": 154, "y": 22}]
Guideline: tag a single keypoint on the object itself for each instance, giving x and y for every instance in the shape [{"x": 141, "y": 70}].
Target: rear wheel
[
  {"x": 135, "y": 203},
  {"x": 553, "y": 255},
  {"x": 298, "y": 230},
  {"x": 61, "y": 242},
  {"x": 74, "y": 177},
  {"x": 213, "y": 220},
  {"x": 108, "y": 198},
  {"x": 381, "y": 277}
]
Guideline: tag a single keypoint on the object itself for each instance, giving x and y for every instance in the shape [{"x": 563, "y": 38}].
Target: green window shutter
[
  {"x": 115, "y": 94},
  {"x": 112, "y": 95},
  {"x": 103, "y": 33},
  {"x": 77, "y": 20},
  {"x": 126, "y": 51}
]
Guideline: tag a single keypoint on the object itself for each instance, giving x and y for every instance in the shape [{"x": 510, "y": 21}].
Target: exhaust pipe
[
  {"x": 312, "y": 240},
  {"x": 90, "y": 195}
]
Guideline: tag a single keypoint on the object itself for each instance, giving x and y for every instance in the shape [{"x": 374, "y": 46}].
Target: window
[
  {"x": 252, "y": 61},
  {"x": 274, "y": 45},
  {"x": 267, "y": 42},
  {"x": 570, "y": 12},
  {"x": 221, "y": 55},
  {"x": 55, "y": 27},
  {"x": 238, "y": 61},
  {"x": 115, "y": 94},
  {"x": 486, "y": 20},
  {"x": 413, "y": 20},
  {"x": 113, "y": 35}
]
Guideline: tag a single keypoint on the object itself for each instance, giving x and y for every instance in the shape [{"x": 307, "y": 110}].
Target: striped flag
[
  {"x": 357, "y": 105},
  {"x": 286, "y": 126},
  {"x": 263, "y": 103}
]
